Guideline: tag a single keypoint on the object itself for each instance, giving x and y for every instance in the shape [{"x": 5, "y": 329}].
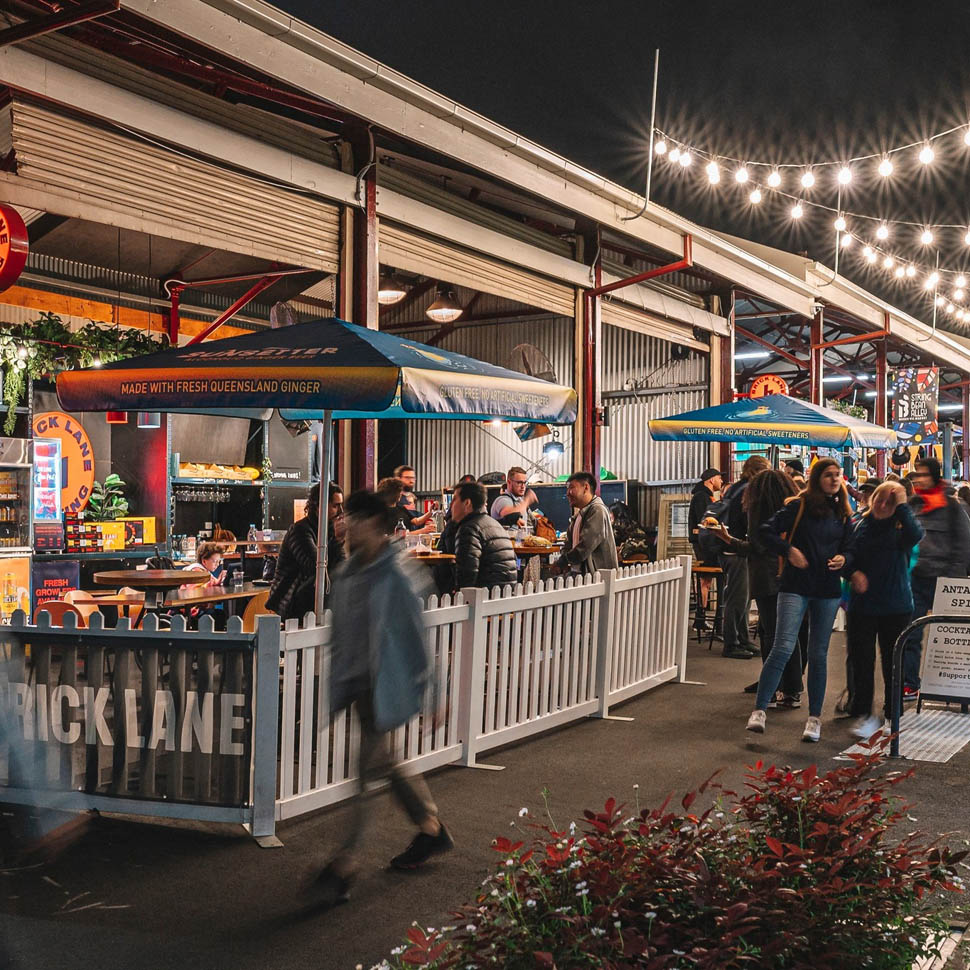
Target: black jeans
[
  {"x": 863, "y": 633},
  {"x": 737, "y": 601},
  {"x": 791, "y": 678}
]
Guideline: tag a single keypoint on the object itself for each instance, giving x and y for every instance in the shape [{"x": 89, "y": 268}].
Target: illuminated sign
[
  {"x": 77, "y": 456},
  {"x": 13, "y": 246},
  {"x": 765, "y": 384}
]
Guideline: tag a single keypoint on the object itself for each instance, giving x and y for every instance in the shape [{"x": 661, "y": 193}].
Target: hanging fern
[
  {"x": 853, "y": 410},
  {"x": 45, "y": 347}
]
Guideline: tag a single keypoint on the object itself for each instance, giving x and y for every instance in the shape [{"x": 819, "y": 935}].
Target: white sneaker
[
  {"x": 866, "y": 727},
  {"x": 813, "y": 729},
  {"x": 756, "y": 722}
]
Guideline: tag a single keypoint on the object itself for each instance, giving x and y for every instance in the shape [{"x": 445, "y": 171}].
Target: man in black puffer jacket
[{"x": 484, "y": 555}]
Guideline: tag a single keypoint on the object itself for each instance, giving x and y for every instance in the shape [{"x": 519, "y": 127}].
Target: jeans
[
  {"x": 791, "y": 679},
  {"x": 737, "y": 601},
  {"x": 791, "y": 610},
  {"x": 924, "y": 588},
  {"x": 863, "y": 631}
]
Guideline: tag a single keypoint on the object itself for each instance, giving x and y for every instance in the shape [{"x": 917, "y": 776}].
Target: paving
[{"x": 130, "y": 895}]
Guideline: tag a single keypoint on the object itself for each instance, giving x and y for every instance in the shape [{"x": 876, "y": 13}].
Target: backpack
[{"x": 708, "y": 545}]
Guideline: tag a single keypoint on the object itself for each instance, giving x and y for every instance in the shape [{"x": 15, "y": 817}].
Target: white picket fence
[{"x": 508, "y": 663}]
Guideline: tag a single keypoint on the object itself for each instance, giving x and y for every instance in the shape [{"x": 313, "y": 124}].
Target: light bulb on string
[
  {"x": 926, "y": 154},
  {"x": 846, "y": 241},
  {"x": 808, "y": 179},
  {"x": 674, "y": 154},
  {"x": 797, "y": 211},
  {"x": 960, "y": 282},
  {"x": 774, "y": 179},
  {"x": 685, "y": 159},
  {"x": 911, "y": 271},
  {"x": 882, "y": 232},
  {"x": 900, "y": 272},
  {"x": 840, "y": 224},
  {"x": 713, "y": 173},
  {"x": 959, "y": 294},
  {"x": 966, "y": 137},
  {"x": 660, "y": 147},
  {"x": 870, "y": 254},
  {"x": 885, "y": 168},
  {"x": 888, "y": 262},
  {"x": 845, "y": 175},
  {"x": 940, "y": 300},
  {"x": 949, "y": 308},
  {"x": 741, "y": 175},
  {"x": 926, "y": 237},
  {"x": 930, "y": 282},
  {"x": 755, "y": 196},
  {"x": 966, "y": 238}
]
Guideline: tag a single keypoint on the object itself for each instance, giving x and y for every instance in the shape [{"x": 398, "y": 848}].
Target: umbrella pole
[{"x": 326, "y": 458}]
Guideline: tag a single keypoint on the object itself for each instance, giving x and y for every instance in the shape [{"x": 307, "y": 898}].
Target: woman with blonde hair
[{"x": 812, "y": 535}]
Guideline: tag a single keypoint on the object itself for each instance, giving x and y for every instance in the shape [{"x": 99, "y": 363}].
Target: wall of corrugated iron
[{"x": 441, "y": 451}]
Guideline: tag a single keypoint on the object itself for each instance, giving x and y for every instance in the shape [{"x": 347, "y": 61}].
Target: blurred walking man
[{"x": 381, "y": 664}]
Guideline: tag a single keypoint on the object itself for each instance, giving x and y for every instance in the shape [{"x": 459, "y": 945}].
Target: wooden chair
[
  {"x": 85, "y": 609},
  {"x": 255, "y": 607},
  {"x": 58, "y": 609}
]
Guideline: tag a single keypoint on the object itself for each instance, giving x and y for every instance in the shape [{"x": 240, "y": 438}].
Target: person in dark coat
[
  {"x": 813, "y": 536},
  {"x": 484, "y": 554},
  {"x": 881, "y": 597},
  {"x": 701, "y": 497},
  {"x": 944, "y": 551},
  {"x": 766, "y": 495},
  {"x": 294, "y": 584}
]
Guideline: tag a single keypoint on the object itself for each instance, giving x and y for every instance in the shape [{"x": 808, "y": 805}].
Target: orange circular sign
[
  {"x": 77, "y": 457},
  {"x": 13, "y": 246},
  {"x": 765, "y": 384}
]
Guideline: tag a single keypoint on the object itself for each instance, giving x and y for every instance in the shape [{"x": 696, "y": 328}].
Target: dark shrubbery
[{"x": 797, "y": 873}]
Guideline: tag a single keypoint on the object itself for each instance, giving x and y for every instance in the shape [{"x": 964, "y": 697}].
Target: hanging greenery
[
  {"x": 853, "y": 410},
  {"x": 45, "y": 347}
]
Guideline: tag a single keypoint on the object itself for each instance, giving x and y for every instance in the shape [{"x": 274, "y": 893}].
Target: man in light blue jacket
[{"x": 379, "y": 662}]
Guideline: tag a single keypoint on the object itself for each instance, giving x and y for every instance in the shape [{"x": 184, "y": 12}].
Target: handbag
[
  {"x": 544, "y": 528},
  {"x": 788, "y": 536}
]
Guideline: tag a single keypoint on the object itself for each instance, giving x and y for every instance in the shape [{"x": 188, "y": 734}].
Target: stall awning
[
  {"x": 325, "y": 365},
  {"x": 775, "y": 419}
]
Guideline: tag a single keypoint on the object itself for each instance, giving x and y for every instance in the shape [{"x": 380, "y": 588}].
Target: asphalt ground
[{"x": 126, "y": 894}]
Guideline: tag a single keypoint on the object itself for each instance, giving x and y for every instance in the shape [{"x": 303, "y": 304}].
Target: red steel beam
[
  {"x": 784, "y": 354},
  {"x": 247, "y": 297},
  {"x": 856, "y": 339},
  {"x": 39, "y": 26},
  {"x": 684, "y": 263}
]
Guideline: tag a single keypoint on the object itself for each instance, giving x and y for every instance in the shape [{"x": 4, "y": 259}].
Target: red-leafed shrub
[{"x": 797, "y": 873}]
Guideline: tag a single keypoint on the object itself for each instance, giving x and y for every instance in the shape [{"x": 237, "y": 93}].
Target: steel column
[
  {"x": 175, "y": 295},
  {"x": 728, "y": 388},
  {"x": 816, "y": 359},
  {"x": 881, "y": 402}
]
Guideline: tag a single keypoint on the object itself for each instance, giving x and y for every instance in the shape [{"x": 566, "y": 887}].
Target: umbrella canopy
[
  {"x": 774, "y": 419},
  {"x": 309, "y": 368}
]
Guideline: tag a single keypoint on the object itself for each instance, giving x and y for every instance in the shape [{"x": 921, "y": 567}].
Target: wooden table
[
  {"x": 200, "y": 595},
  {"x": 532, "y": 568},
  {"x": 432, "y": 556},
  {"x": 154, "y": 583}
]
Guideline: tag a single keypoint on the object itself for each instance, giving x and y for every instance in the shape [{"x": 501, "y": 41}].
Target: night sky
[{"x": 769, "y": 81}]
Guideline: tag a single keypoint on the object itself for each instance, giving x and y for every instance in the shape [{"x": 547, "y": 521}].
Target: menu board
[
  {"x": 51, "y": 580},
  {"x": 946, "y": 655}
]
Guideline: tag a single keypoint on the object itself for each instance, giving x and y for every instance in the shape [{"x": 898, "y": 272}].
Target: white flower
[
  {"x": 530, "y": 903},
  {"x": 572, "y": 828},
  {"x": 523, "y": 812},
  {"x": 582, "y": 892},
  {"x": 397, "y": 951},
  {"x": 580, "y": 884},
  {"x": 470, "y": 928},
  {"x": 509, "y": 862},
  {"x": 597, "y": 931},
  {"x": 679, "y": 953},
  {"x": 650, "y": 915},
  {"x": 494, "y": 892},
  {"x": 636, "y": 787}
]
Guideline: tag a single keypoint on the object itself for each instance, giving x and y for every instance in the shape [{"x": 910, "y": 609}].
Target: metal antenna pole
[{"x": 653, "y": 128}]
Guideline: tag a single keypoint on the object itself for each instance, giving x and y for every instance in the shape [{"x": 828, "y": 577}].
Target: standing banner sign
[
  {"x": 51, "y": 580},
  {"x": 946, "y": 656},
  {"x": 915, "y": 398}
]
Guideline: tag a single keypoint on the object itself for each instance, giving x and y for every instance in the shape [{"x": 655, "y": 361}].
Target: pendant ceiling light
[
  {"x": 391, "y": 289},
  {"x": 116, "y": 417},
  {"x": 446, "y": 308},
  {"x": 149, "y": 419}
]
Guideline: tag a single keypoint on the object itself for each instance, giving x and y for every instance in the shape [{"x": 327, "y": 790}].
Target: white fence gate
[{"x": 508, "y": 663}]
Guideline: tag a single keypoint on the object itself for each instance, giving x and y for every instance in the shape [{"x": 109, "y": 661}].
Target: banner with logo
[{"x": 916, "y": 393}]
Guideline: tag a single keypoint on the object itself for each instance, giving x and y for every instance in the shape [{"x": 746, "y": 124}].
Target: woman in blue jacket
[
  {"x": 881, "y": 596},
  {"x": 812, "y": 535}
]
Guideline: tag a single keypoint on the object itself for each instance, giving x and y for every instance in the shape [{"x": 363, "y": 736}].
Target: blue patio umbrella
[
  {"x": 776, "y": 420},
  {"x": 325, "y": 369}
]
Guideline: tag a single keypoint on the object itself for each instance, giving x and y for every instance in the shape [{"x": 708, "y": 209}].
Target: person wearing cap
[
  {"x": 701, "y": 497},
  {"x": 793, "y": 467}
]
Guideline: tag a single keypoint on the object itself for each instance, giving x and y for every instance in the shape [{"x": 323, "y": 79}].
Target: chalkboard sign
[{"x": 946, "y": 656}]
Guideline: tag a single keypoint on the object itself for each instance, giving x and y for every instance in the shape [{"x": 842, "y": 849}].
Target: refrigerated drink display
[
  {"x": 47, "y": 480},
  {"x": 16, "y": 524},
  {"x": 14, "y": 508}
]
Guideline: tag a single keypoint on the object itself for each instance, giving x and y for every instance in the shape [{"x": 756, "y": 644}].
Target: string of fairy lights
[{"x": 871, "y": 237}]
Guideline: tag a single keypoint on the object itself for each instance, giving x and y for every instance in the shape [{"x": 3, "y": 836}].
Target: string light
[
  {"x": 846, "y": 240},
  {"x": 958, "y": 294},
  {"x": 960, "y": 282},
  {"x": 926, "y": 154},
  {"x": 882, "y": 232},
  {"x": 926, "y": 237},
  {"x": 885, "y": 168},
  {"x": 674, "y": 154},
  {"x": 796, "y": 211},
  {"x": 774, "y": 180},
  {"x": 845, "y": 175},
  {"x": 660, "y": 147},
  {"x": 911, "y": 271},
  {"x": 755, "y": 197},
  {"x": 870, "y": 254},
  {"x": 685, "y": 159},
  {"x": 713, "y": 173},
  {"x": 888, "y": 262},
  {"x": 741, "y": 175},
  {"x": 840, "y": 224},
  {"x": 808, "y": 179},
  {"x": 899, "y": 271}
]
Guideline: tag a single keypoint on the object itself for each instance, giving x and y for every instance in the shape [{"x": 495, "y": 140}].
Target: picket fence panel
[{"x": 507, "y": 663}]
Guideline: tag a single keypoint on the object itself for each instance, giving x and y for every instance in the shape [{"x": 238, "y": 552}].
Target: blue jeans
[
  {"x": 791, "y": 611},
  {"x": 924, "y": 589}
]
